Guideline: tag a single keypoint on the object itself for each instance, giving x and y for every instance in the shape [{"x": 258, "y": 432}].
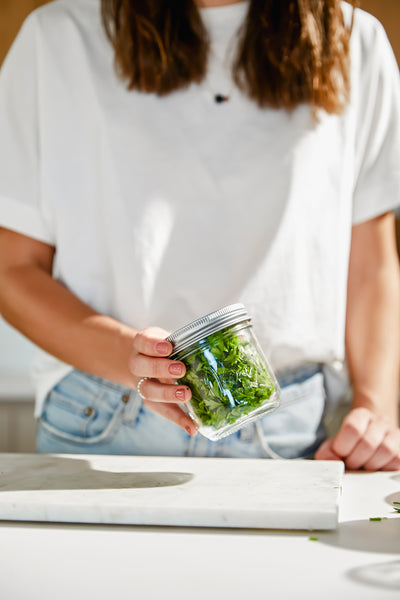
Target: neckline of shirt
[{"x": 214, "y": 15}]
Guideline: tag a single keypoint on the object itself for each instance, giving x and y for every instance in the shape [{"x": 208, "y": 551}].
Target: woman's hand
[
  {"x": 158, "y": 389},
  {"x": 364, "y": 440}
]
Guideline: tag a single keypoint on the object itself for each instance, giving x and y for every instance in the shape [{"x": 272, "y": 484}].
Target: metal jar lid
[{"x": 201, "y": 328}]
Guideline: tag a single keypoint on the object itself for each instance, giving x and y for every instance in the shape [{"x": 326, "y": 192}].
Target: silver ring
[{"x": 138, "y": 387}]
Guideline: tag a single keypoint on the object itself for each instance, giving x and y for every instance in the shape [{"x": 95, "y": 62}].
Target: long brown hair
[{"x": 289, "y": 51}]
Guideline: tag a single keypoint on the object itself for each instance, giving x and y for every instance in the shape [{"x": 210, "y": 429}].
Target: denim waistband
[
  {"x": 106, "y": 382},
  {"x": 298, "y": 374},
  {"x": 285, "y": 377}
]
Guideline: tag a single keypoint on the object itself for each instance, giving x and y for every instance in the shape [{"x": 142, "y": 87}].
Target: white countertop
[{"x": 358, "y": 561}]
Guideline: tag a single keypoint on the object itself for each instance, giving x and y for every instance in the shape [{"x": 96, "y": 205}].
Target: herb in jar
[
  {"x": 231, "y": 380},
  {"x": 227, "y": 379}
]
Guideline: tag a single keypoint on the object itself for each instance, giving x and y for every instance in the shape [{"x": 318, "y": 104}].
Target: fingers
[
  {"x": 159, "y": 392},
  {"x": 159, "y": 368},
  {"x": 155, "y": 391},
  {"x": 173, "y": 413},
  {"x": 325, "y": 452},
  {"x": 393, "y": 465},
  {"x": 152, "y": 342},
  {"x": 366, "y": 447},
  {"x": 158, "y": 375},
  {"x": 351, "y": 432},
  {"x": 387, "y": 455},
  {"x": 366, "y": 440}
]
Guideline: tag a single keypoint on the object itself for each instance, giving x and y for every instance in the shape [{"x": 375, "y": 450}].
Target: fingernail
[
  {"x": 163, "y": 348},
  {"x": 180, "y": 393},
  {"x": 175, "y": 369}
]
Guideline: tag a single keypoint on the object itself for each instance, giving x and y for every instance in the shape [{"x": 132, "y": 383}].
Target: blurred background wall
[{"x": 17, "y": 425}]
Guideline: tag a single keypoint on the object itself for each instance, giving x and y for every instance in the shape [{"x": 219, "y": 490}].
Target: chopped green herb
[
  {"x": 397, "y": 507},
  {"x": 227, "y": 378},
  {"x": 377, "y": 518},
  {"x": 313, "y": 539}
]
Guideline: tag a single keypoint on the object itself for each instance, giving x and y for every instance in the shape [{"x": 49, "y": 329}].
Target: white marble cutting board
[{"x": 208, "y": 492}]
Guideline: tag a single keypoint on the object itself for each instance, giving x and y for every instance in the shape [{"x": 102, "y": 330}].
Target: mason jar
[{"x": 231, "y": 380}]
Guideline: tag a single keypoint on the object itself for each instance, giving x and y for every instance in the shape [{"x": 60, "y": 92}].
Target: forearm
[
  {"x": 56, "y": 320},
  {"x": 372, "y": 339}
]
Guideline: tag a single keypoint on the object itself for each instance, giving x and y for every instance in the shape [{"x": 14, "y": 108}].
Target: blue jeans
[{"x": 85, "y": 414}]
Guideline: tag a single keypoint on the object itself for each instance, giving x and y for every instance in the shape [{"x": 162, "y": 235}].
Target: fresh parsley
[{"x": 227, "y": 377}]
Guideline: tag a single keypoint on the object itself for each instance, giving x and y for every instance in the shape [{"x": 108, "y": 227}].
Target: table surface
[{"x": 358, "y": 561}]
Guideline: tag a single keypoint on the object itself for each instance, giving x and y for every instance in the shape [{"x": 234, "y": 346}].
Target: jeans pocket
[{"x": 83, "y": 409}]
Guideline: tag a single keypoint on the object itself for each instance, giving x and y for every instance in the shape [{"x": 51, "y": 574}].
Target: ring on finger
[{"x": 139, "y": 386}]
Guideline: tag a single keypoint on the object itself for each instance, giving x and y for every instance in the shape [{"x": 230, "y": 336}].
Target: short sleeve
[
  {"x": 20, "y": 202},
  {"x": 377, "y": 135}
]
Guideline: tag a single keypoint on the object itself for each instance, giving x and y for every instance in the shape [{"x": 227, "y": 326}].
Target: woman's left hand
[{"x": 364, "y": 440}]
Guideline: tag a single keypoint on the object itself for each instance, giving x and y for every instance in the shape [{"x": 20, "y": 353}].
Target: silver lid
[{"x": 201, "y": 328}]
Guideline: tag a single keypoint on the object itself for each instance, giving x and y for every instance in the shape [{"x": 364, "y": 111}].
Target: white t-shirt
[{"x": 165, "y": 209}]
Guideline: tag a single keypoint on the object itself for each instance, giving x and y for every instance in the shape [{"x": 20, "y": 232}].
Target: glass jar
[{"x": 231, "y": 381}]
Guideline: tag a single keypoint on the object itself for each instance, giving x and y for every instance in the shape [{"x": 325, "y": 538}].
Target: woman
[{"x": 160, "y": 160}]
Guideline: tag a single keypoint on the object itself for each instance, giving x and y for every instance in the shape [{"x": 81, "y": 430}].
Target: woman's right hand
[{"x": 158, "y": 374}]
